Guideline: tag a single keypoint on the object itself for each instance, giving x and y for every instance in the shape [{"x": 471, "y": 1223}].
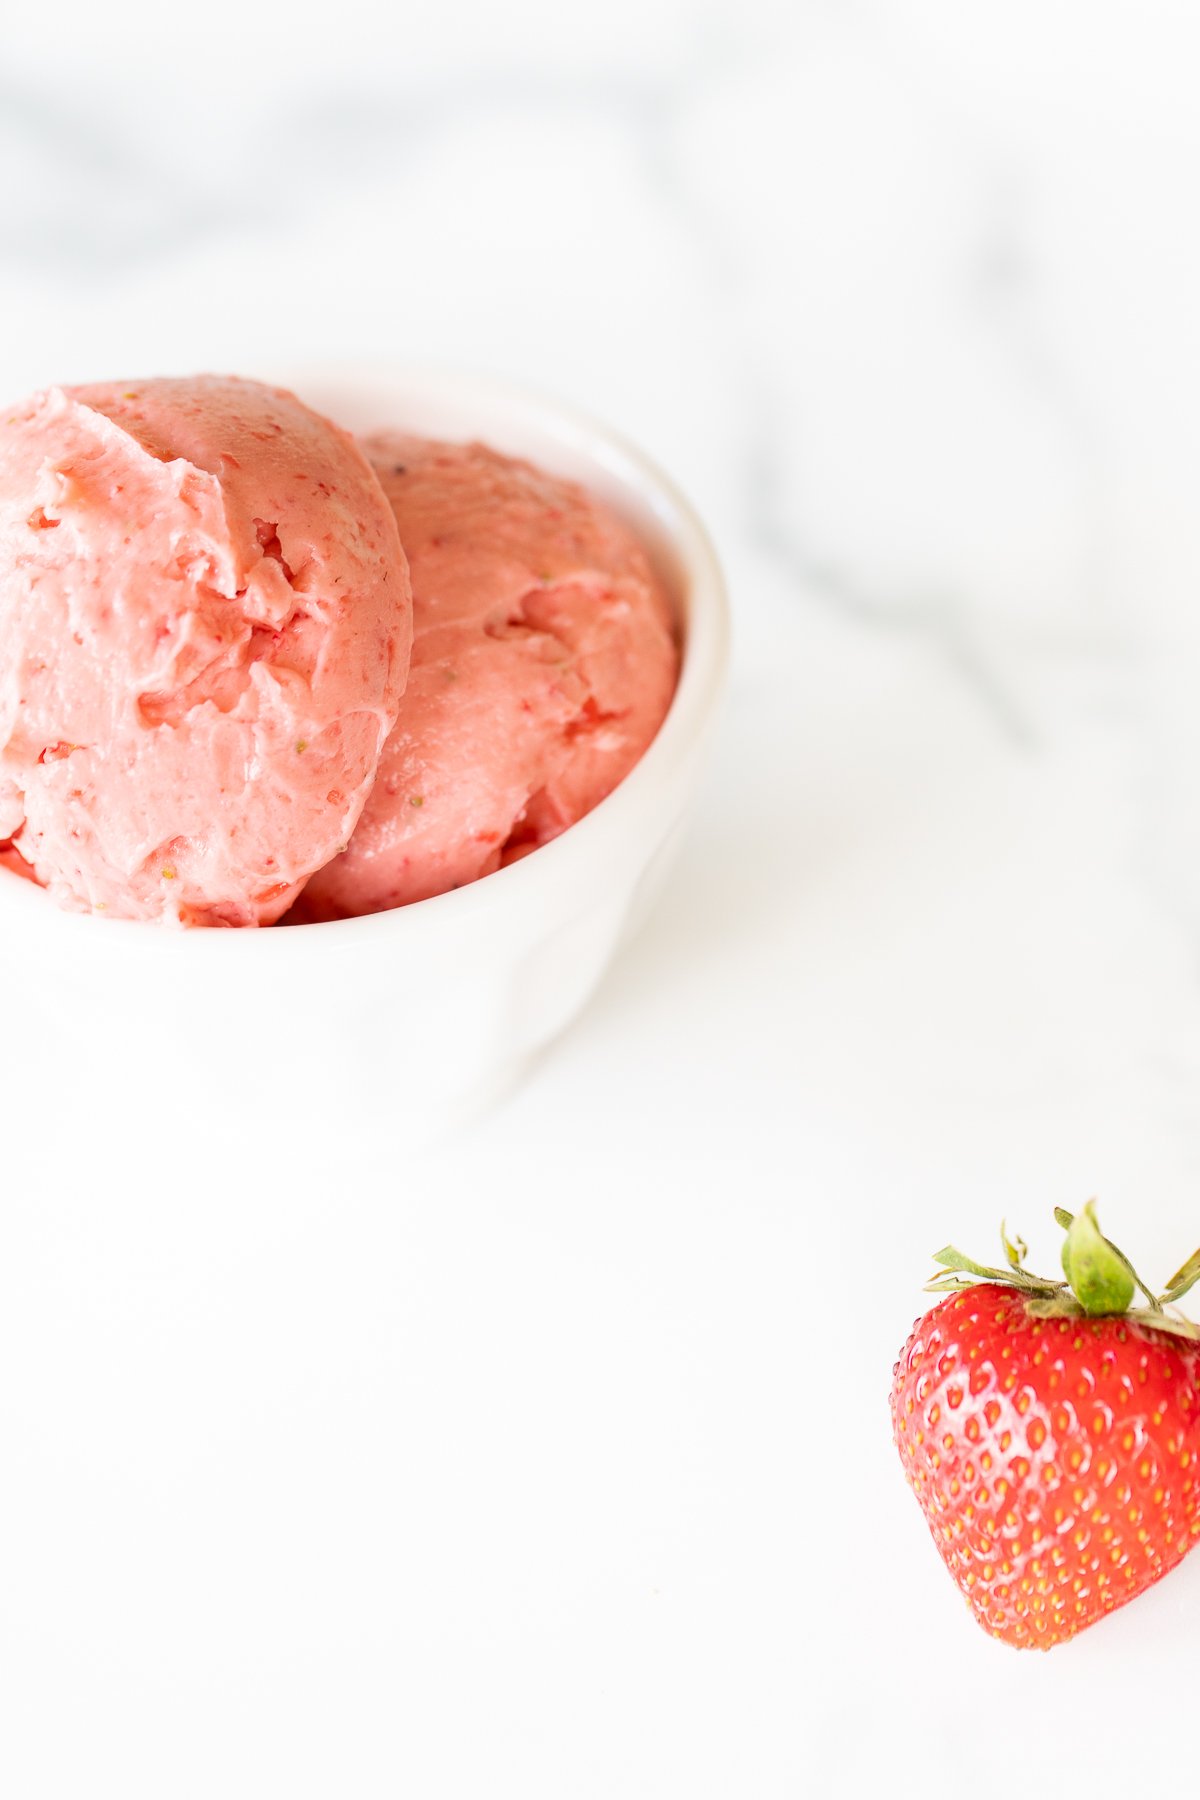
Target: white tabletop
[{"x": 555, "y": 1460}]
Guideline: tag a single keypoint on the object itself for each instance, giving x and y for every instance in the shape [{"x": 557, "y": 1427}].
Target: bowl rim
[{"x": 704, "y": 658}]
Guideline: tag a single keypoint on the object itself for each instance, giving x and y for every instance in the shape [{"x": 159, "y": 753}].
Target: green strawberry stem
[
  {"x": 1100, "y": 1279},
  {"x": 1088, "y": 1231}
]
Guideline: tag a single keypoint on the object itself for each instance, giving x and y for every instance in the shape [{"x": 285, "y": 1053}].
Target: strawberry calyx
[{"x": 1100, "y": 1281}]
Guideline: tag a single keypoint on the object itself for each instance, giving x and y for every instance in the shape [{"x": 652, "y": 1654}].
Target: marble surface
[{"x": 554, "y": 1460}]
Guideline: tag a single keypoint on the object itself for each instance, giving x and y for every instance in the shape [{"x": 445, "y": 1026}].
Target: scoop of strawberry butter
[
  {"x": 544, "y": 661},
  {"x": 205, "y": 627}
]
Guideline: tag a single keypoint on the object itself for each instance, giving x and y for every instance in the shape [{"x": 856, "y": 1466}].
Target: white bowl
[{"x": 420, "y": 1012}]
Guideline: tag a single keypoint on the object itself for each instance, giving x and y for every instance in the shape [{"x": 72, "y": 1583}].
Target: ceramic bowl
[{"x": 416, "y": 1014}]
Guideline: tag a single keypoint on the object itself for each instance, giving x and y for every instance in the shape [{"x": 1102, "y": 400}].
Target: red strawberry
[{"x": 1052, "y": 1436}]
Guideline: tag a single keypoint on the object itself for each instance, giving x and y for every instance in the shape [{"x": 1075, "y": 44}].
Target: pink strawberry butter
[
  {"x": 544, "y": 661},
  {"x": 205, "y": 626}
]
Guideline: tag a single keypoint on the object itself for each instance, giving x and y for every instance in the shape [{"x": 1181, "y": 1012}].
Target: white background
[{"x": 555, "y": 1461}]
